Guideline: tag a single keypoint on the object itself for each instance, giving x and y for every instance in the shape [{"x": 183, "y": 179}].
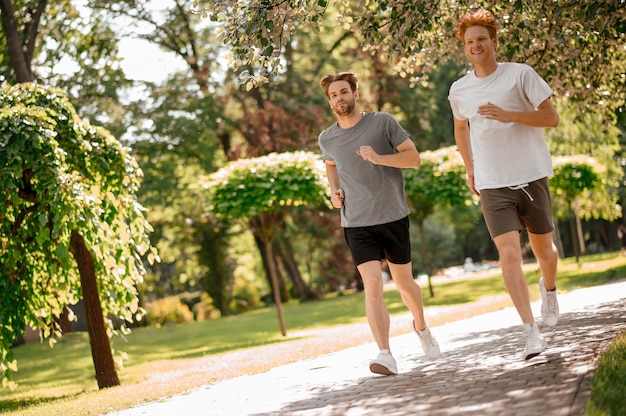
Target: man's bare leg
[
  {"x": 402, "y": 275},
  {"x": 547, "y": 255},
  {"x": 510, "y": 252},
  {"x": 375, "y": 307}
]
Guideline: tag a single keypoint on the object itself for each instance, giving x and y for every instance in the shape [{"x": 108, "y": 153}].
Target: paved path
[{"x": 480, "y": 371}]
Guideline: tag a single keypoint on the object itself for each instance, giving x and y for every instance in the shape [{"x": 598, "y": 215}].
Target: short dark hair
[
  {"x": 480, "y": 17},
  {"x": 350, "y": 77}
]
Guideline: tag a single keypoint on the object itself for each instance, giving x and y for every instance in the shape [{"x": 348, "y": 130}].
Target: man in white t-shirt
[{"x": 499, "y": 112}]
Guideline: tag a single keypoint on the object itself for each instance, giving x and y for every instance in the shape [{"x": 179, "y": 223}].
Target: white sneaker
[
  {"x": 549, "y": 305},
  {"x": 429, "y": 343},
  {"x": 384, "y": 364},
  {"x": 535, "y": 343}
]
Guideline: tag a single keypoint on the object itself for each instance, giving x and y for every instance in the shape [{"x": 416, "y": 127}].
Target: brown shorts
[{"x": 515, "y": 208}]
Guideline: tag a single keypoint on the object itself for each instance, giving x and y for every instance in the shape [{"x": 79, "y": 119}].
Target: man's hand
[
  {"x": 337, "y": 198},
  {"x": 470, "y": 183},
  {"x": 367, "y": 153},
  {"x": 493, "y": 112},
  {"x": 543, "y": 116}
]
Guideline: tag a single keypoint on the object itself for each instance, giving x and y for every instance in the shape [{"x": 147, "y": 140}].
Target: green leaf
[{"x": 64, "y": 256}]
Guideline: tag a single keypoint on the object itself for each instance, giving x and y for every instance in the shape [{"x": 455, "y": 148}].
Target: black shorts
[
  {"x": 513, "y": 209},
  {"x": 389, "y": 241}
]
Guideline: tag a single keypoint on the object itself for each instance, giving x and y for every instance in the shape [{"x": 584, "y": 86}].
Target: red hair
[{"x": 480, "y": 17}]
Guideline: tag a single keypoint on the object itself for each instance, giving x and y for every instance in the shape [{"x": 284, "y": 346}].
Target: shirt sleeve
[
  {"x": 536, "y": 88},
  {"x": 325, "y": 155},
  {"x": 397, "y": 133},
  {"x": 454, "y": 105}
]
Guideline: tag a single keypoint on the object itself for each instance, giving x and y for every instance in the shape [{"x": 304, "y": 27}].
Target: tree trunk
[
  {"x": 218, "y": 280},
  {"x": 573, "y": 232},
  {"x": 265, "y": 257},
  {"x": 274, "y": 279},
  {"x": 20, "y": 55},
  {"x": 291, "y": 266},
  {"x": 581, "y": 235},
  {"x": 106, "y": 375},
  {"x": 64, "y": 321},
  {"x": 572, "y": 227}
]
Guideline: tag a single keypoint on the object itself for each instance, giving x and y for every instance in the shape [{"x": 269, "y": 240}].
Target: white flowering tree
[{"x": 262, "y": 191}]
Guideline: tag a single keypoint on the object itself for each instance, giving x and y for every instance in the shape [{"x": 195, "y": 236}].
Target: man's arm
[
  {"x": 462, "y": 138},
  {"x": 544, "y": 116},
  {"x": 336, "y": 193},
  {"x": 406, "y": 156}
]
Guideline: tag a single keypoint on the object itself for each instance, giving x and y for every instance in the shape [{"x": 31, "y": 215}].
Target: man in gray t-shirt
[{"x": 364, "y": 155}]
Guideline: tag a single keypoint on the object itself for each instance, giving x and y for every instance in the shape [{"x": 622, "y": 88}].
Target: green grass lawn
[
  {"x": 63, "y": 376},
  {"x": 608, "y": 386}
]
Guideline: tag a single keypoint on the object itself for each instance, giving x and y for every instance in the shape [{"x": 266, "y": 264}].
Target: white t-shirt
[{"x": 505, "y": 154}]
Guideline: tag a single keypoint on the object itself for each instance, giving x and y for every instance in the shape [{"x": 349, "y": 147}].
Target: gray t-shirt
[{"x": 374, "y": 194}]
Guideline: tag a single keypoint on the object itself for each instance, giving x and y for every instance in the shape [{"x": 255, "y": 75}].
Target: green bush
[
  {"x": 167, "y": 310},
  {"x": 204, "y": 309},
  {"x": 246, "y": 298}
]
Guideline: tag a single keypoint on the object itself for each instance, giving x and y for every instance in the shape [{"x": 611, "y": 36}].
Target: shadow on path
[{"x": 482, "y": 372}]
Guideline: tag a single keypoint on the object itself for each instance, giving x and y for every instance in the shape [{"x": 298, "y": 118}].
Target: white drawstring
[{"x": 522, "y": 186}]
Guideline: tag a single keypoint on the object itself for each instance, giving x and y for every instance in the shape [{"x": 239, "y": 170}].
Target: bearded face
[
  {"x": 341, "y": 98},
  {"x": 342, "y": 108}
]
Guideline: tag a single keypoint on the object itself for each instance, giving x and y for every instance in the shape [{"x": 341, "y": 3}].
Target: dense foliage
[
  {"x": 576, "y": 45},
  {"x": 247, "y": 187},
  {"x": 58, "y": 176}
]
